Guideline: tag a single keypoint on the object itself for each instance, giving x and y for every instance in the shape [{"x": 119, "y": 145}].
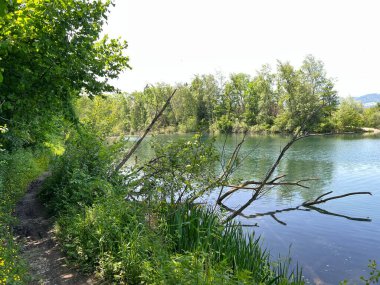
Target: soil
[{"x": 40, "y": 249}]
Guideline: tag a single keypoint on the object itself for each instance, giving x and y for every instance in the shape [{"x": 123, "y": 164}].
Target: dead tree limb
[
  {"x": 307, "y": 206},
  {"x": 318, "y": 201},
  {"x": 147, "y": 130},
  {"x": 256, "y": 194},
  {"x": 245, "y": 185},
  {"x": 299, "y": 133},
  {"x": 325, "y": 212}
]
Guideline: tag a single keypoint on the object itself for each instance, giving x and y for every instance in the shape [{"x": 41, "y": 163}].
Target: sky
[{"x": 172, "y": 40}]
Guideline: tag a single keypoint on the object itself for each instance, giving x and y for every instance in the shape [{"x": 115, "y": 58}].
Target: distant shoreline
[{"x": 371, "y": 130}]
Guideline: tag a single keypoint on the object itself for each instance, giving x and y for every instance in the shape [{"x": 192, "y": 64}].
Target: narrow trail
[{"x": 39, "y": 246}]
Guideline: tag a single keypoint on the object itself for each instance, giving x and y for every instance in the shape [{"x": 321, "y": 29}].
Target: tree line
[{"x": 274, "y": 101}]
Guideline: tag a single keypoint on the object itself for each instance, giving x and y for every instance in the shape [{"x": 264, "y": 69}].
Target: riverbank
[
  {"x": 371, "y": 130},
  {"x": 125, "y": 230}
]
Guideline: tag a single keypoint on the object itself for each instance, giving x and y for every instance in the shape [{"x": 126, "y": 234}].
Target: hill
[{"x": 369, "y": 100}]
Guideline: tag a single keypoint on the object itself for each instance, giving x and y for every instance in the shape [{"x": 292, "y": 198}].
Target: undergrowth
[{"x": 146, "y": 241}]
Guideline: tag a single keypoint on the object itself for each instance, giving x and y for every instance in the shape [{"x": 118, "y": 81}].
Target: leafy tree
[
  {"x": 306, "y": 94},
  {"x": 107, "y": 115},
  {"x": 183, "y": 109},
  {"x": 138, "y": 113},
  {"x": 50, "y": 52},
  {"x": 349, "y": 116},
  {"x": 204, "y": 91},
  {"x": 265, "y": 97},
  {"x": 372, "y": 116},
  {"x": 235, "y": 93}
]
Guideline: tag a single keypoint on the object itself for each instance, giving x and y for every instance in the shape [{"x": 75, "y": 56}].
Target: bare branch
[
  {"x": 317, "y": 201},
  {"x": 138, "y": 142},
  {"x": 299, "y": 134},
  {"x": 306, "y": 206},
  {"x": 277, "y": 220},
  {"x": 325, "y": 212},
  {"x": 244, "y": 186}
]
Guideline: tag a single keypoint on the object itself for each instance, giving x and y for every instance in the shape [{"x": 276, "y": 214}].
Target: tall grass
[{"x": 198, "y": 229}]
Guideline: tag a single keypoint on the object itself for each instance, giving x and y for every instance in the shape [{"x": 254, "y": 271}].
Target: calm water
[{"x": 328, "y": 248}]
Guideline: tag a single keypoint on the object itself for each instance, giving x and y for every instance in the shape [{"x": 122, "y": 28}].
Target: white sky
[{"x": 171, "y": 40}]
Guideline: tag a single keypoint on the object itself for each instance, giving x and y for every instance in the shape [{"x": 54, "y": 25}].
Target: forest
[
  {"x": 58, "y": 111},
  {"x": 269, "y": 102}
]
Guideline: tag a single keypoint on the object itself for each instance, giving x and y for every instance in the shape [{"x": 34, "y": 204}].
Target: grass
[{"x": 199, "y": 229}]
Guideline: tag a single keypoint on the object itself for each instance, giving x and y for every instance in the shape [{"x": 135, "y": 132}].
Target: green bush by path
[{"x": 79, "y": 175}]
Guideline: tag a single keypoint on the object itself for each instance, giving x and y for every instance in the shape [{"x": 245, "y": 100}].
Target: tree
[
  {"x": 204, "y": 89},
  {"x": 349, "y": 115},
  {"x": 303, "y": 91},
  {"x": 51, "y": 52},
  {"x": 372, "y": 116},
  {"x": 265, "y": 96},
  {"x": 183, "y": 109}
]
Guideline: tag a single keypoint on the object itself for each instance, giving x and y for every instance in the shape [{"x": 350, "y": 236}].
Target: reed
[{"x": 195, "y": 228}]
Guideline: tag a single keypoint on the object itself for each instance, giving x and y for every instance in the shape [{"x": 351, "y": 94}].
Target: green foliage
[
  {"x": 144, "y": 241},
  {"x": 199, "y": 230},
  {"x": 374, "y": 274},
  {"x": 372, "y": 117},
  {"x": 50, "y": 52},
  {"x": 306, "y": 95},
  {"x": 282, "y": 100},
  {"x": 110, "y": 236},
  {"x": 106, "y": 115},
  {"x": 184, "y": 168},
  {"x": 192, "y": 268},
  {"x": 348, "y": 116},
  {"x": 79, "y": 175}
]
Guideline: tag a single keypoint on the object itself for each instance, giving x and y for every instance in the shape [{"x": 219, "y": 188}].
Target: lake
[{"x": 329, "y": 248}]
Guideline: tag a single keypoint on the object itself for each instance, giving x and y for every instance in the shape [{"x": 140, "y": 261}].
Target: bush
[
  {"x": 224, "y": 124},
  {"x": 239, "y": 127},
  {"x": 264, "y": 128},
  {"x": 79, "y": 176},
  {"x": 111, "y": 237}
]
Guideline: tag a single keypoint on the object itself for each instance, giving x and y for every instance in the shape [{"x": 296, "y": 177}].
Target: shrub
[
  {"x": 79, "y": 176},
  {"x": 111, "y": 237}
]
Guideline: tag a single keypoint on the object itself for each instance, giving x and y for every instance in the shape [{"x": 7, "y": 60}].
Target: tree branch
[
  {"x": 308, "y": 206},
  {"x": 138, "y": 142}
]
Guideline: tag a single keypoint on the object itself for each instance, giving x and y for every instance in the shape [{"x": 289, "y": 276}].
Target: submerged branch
[{"x": 307, "y": 206}]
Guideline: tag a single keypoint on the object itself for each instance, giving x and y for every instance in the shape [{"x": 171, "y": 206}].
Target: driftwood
[
  {"x": 308, "y": 206},
  {"x": 147, "y": 130}
]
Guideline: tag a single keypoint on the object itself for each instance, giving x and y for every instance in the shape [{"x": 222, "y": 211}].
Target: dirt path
[{"x": 39, "y": 247}]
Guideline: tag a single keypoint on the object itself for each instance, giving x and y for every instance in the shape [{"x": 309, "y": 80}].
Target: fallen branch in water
[
  {"x": 273, "y": 182},
  {"x": 307, "y": 206}
]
